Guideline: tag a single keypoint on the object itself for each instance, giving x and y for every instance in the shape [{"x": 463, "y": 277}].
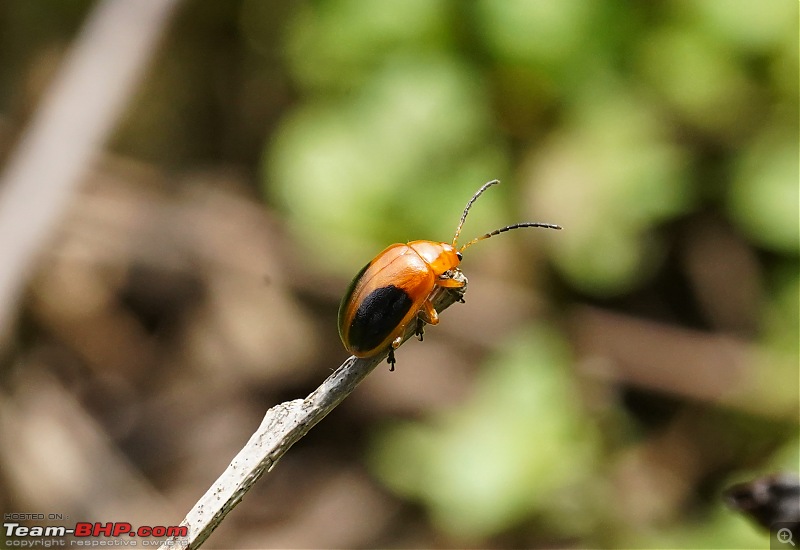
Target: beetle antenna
[
  {"x": 509, "y": 228},
  {"x": 477, "y": 194}
]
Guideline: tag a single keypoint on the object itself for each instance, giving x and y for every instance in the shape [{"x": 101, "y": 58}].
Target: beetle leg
[
  {"x": 449, "y": 282},
  {"x": 428, "y": 313},
  {"x": 420, "y": 330},
  {"x": 391, "y": 359},
  {"x": 395, "y": 344}
]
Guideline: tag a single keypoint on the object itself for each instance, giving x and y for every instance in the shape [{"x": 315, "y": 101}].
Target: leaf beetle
[{"x": 395, "y": 288}]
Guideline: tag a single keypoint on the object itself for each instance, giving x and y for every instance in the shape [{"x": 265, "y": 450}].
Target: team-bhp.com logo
[{"x": 18, "y": 535}]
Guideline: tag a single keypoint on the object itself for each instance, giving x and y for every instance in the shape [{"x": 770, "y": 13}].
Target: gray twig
[{"x": 282, "y": 427}]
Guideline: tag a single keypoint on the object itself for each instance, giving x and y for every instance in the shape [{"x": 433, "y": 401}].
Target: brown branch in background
[
  {"x": 695, "y": 365},
  {"x": 283, "y": 426},
  {"x": 76, "y": 117}
]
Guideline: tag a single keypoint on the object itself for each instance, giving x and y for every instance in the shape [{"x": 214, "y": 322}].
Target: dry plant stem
[
  {"x": 282, "y": 427},
  {"x": 76, "y": 115}
]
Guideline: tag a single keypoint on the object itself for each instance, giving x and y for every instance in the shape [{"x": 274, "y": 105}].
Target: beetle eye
[{"x": 459, "y": 256}]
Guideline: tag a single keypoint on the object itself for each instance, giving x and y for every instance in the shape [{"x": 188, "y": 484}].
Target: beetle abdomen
[{"x": 378, "y": 315}]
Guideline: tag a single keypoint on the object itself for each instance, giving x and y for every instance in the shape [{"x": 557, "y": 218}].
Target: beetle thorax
[{"x": 441, "y": 257}]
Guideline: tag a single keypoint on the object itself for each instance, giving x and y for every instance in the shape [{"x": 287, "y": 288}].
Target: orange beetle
[{"x": 395, "y": 289}]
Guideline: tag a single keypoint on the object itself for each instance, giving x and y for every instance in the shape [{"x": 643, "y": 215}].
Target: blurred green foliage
[
  {"x": 508, "y": 452},
  {"x": 613, "y": 119},
  {"x": 629, "y": 123},
  {"x": 407, "y": 108}
]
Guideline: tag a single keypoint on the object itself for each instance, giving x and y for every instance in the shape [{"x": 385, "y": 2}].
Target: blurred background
[{"x": 601, "y": 386}]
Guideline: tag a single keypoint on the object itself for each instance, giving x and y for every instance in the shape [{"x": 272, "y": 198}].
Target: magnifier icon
[{"x": 784, "y": 535}]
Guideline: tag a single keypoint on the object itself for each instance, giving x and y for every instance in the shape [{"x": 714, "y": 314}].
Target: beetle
[{"x": 395, "y": 289}]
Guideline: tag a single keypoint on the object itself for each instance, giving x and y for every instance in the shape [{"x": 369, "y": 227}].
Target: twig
[
  {"x": 283, "y": 426},
  {"x": 77, "y": 114}
]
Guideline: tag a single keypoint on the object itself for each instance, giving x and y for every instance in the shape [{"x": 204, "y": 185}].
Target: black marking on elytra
[
  {"x": 378, "y": 316},
  {"x": 343, "y": 306}
]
